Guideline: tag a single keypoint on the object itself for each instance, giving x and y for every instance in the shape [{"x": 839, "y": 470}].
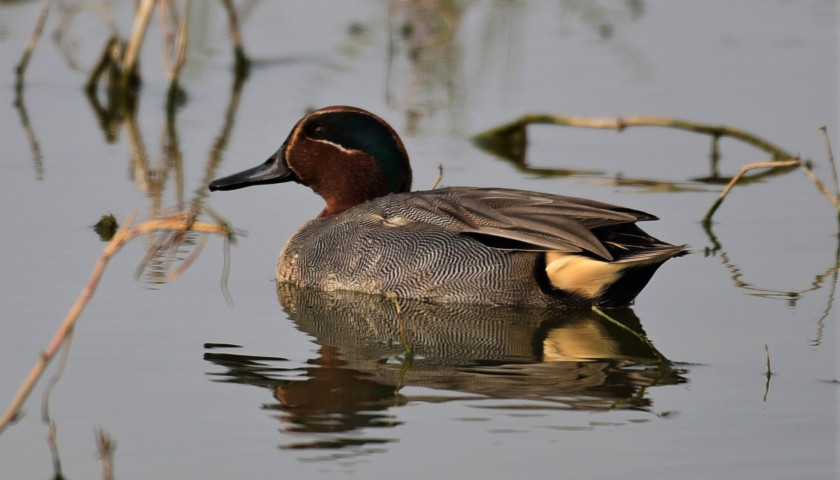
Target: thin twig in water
[
  {"x": 174, "y": 68},
  {"x": 167, "y": 17},
  {"x": 229, "y": 240},
  {"x": 408, "y": 349},
  {"x": 662, "y": 359},
  {"x": 817, "y": 341},
  {"x": 20, "y": 69},
  {"x": 68, "y": 15},
  {"x": 241, "y": 59},
  {"x": 45, "y": 406},
  {"x": 34, "y": 145},
  {"x": 52, "y": 434},
  {"x": 820, "y": 186},
  {"x": 768, "y": 373},
  {"x": 517, "y": 127},
  {"x": 824, "y": 129},
  {"x": 820, "y": 281},
  {"x": 226, "y": 274},
  {"x": 105, "y": 447},
  {"x": 183, "y": 40},
  {"x": 787, "y": 163},
  {"x": 126, "y": 232},
  {"x": 53, "y": 381},
  {"x": 439, "y": 177},
  {"x": 767, "y": 354},
  {"x": 185, "y": 263},
  {"x": 138, "y": 32}
]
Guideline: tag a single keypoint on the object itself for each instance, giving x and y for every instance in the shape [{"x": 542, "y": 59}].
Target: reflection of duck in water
[
  {"x": 571, "y": 358},
  {"x": 457, "y": 244}
]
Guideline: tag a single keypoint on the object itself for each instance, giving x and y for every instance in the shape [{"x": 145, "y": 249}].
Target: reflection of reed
[
  {"x": 242, "y": 63},
  {"x": 646, "y": 185},
  {"x": 20, "y": 71},
  {"x": 68, "y": 15},
  {"x": 834, "y": 271},
  {"x": 121, "y": 109},
  {"x": 163, "y": 252},
  {"x": 183, "y": 247},
  {"x": 423, "y": 57},
  {"x": 514, "y": 134},
  {"x": 175, "y": 49},
  {"x": 105, "y": 447},
  {"x": 54, "y": 453},
  {"x": 174, "y": 237},
  {"x": 117, "y": 65},
  {"x": 509, "y": 141},
  {"x": 601, "y": 18},
  {"x": 221, "y": 141},
  {"x": 768, "y": 373},
  {"x": 20, "y": 68},
  {"x": 153, "y": 179},
  {"x": 791, "y": 296},
  {"x": 177, "y": 230},
  {"x": 37, "y": 158},
  {"x": 560, "y": 359},
  {"x": 116, "y": 106}
]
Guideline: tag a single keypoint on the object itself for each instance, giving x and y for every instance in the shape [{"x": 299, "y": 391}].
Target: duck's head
[{"x": 345, "y": 154}]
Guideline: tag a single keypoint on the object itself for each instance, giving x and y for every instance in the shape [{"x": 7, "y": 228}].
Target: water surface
[{"x": 293, "y": 384}]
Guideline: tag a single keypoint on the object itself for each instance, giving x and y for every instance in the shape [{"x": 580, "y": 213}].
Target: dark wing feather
[{"x": 519, "y": 219}]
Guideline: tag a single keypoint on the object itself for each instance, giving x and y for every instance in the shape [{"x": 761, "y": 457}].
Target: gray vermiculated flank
[{"x": 419, "y": 245}]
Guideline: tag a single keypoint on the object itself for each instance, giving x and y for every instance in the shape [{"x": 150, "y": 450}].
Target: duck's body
[{"x": 455, "y": 244}]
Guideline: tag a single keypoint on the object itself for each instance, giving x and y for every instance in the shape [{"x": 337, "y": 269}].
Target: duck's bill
[{"x": 274, "y": 170}]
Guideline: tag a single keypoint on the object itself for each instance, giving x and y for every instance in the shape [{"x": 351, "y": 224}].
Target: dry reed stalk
[
  {"x": 407, "y": 347},
  {"x": 746, "y": 168},
  {"x": 177, "y": 223},
  {"x": 517, "y": 127},
  {"x": 768, "y": 373},
  {"x": 820, "y": 185},
  {"x": 794, "y": 162},
  {"x": 824, "y": 130},
  {"x": 20, "y": 69},
  {"x": 105, "y": 447},
  {"x": 183, "y": 37},
  {"x": 242, "y": 61},
  {"x": 138, "y": 32},
  {"x": 52, "y": 442},
  {"x": 438, "y": 178},
  {"x": 179, "y": 39},
  {"x": 663, "y": 361}
]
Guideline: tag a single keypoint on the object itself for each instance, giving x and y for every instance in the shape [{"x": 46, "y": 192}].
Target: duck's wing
[{"x": 519, "y": 219}]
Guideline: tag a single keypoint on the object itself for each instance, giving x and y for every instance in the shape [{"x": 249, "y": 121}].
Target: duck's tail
[{"x": 608, "y": 282}]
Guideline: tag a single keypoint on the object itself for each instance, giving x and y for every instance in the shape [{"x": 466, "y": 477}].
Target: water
[{"x": 191, "y": 387}]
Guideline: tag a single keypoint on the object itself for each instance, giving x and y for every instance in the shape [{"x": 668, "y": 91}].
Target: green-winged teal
[{"x": 455, "y": 244}]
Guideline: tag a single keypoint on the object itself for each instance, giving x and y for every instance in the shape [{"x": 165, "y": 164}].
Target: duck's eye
[{"x": 319, "y": 131}]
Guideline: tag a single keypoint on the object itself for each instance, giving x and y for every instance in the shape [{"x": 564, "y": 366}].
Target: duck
[{"x": 456, "y": 244}]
